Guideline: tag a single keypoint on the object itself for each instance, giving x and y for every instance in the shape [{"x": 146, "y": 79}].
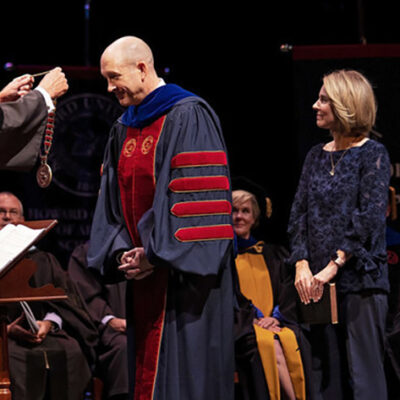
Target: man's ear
[{"x": 143, "y": 68}]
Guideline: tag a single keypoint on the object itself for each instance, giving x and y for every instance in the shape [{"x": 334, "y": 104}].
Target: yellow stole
[{"x": 255, "y": 284}]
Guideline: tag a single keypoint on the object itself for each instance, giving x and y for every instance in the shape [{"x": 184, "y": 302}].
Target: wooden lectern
[{"x": 14, "y": 287}]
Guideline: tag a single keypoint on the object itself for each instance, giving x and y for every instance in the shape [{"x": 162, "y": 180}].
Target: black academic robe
[
  {"x": 103, "y": 300},
  {"x": 264, "y": 280},
  {"x": 60, "y": 365},
  {"x": 195, "y": 354},
  {"x": 282, "y": 277},
  {"x": 22, "y": 125}
]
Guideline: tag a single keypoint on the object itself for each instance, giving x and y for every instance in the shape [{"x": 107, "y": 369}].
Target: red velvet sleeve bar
[
  {"x": 198, "y": 208},
  {"x": 199, "y": 184},
  {"x": 202, "y": 233},
  {"x": 199, "y": 158}
]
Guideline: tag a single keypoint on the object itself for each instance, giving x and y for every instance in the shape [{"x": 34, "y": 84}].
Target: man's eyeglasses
[{"x": 13, "y": 212}]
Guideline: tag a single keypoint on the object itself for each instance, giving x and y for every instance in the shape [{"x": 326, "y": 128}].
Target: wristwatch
[{"x": 339, "y": 261}]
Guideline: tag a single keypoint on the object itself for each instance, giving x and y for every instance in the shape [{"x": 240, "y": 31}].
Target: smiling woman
[
  {"x": 245, "y": 213},
  {"x": 325, "y": 117},
  {"x": 337, "y": 234}
]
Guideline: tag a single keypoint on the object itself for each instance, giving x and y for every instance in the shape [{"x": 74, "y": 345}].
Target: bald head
[
  {"x": 130, "y": 49},
  {"x": 128, "y": 66}
]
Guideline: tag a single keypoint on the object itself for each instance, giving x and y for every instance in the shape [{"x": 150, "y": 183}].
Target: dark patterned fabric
[{"x": 345, "y": 211}]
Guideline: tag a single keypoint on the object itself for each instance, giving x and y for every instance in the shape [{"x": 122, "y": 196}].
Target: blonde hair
[
  {"x": 241, "y": 196},
  {"x": 352, "y": 100}
]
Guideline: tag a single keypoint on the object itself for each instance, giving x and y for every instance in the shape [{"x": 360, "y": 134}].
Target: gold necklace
[{"x": 333, "y": 165}]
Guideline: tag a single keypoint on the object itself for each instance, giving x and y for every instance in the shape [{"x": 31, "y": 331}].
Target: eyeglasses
[{"x": 13, "y": 212}]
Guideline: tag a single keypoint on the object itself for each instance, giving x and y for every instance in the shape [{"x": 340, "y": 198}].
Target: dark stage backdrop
[
  {"x": 267, "y": 146},
  {"x": 380, "y": 63}
]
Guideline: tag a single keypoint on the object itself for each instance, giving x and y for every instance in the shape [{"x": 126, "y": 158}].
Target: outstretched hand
[
  {"x": 55, "y": 83},
  {"x": 17, "y": 88}
]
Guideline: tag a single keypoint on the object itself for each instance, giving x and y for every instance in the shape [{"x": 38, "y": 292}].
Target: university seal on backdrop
[{"x": 81, "y": 131}]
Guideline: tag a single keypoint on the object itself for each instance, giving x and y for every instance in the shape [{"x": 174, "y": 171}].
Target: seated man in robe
[
  {"x": 54, "y": 362},
  {"x": 106, "y": 305}
]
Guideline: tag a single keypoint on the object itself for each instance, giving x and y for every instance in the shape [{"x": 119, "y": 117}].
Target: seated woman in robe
[{"x": 260, "y": 269}]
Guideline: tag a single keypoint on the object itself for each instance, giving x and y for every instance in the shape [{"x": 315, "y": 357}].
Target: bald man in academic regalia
[
  {"x": 23, "y": 117},
  {"x": 163, "y": 220}
]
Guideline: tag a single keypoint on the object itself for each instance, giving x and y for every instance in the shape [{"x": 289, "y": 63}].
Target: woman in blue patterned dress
[{"x": 337, "y": 233}]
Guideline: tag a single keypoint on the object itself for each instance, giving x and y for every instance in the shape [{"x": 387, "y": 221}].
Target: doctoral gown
[
  {"x": 262, "y": 280},
  {"x": 175, "y": 201}
]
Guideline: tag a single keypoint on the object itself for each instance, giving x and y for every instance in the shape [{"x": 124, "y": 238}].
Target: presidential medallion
[{"x": 44, "y": 175}]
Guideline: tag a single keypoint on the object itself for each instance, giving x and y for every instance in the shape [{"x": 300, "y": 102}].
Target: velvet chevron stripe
[
  {"x": 199, "y": 159},
  {"x": 199, "y": 184},
  {"x": 203, "y": 233},
  {"x": 200, "y": 208}
]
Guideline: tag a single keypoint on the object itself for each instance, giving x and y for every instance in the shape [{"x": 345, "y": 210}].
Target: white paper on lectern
[{"x": 15, "y": 239}]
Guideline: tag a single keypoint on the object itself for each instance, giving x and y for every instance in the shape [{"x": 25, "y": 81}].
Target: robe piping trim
[
  {"x": 201, "y": 208},
  {"x": 199, "y": 159},
  {"x": 199, "y": 184},
  {"x": 155, "y": 149},
  {"x": 149, "y": 307},
  {"x": 204, "y": 233},
  {"x": 159, "y": 343}
]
